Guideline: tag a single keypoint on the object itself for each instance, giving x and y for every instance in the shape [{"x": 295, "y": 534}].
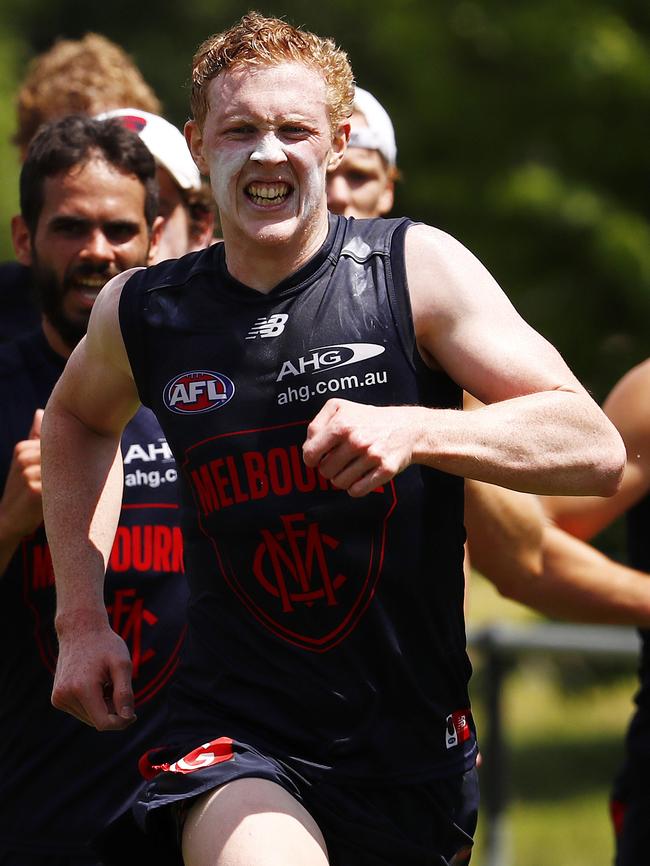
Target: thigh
[{"x": 254, "y": 822}]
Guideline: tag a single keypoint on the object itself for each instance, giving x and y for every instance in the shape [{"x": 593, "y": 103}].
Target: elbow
[
  {"x": 611, "y": 467},
  {"x": 601, "y": 459}
]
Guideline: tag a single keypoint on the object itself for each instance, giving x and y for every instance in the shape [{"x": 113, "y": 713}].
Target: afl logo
[{"x": 198, "y": 391}]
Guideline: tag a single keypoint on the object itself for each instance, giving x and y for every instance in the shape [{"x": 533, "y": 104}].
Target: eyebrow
[{"x": 64, "y": 222}]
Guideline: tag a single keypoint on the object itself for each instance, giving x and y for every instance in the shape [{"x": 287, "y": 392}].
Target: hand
[
  {"x": 360, "y": 447},
  {"x": 93, "y": 673},
  {"x": 21, "y": 506}
]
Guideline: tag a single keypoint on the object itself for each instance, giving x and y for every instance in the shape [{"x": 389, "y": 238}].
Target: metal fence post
[{"x": 500, "y": 645}]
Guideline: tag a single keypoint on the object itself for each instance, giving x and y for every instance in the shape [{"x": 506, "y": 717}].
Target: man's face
[
  {"x": 267, "y": 144},
  {"x": 361, "y": 185},
  {"x": 175, "y": 236},
  {"x": 92, "y": 226}
]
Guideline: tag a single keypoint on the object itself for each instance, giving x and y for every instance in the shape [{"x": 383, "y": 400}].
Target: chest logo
[
  {"x": 265, "y": 327},
  {"x": 328, "y": 357},
  {"x": 198, "y": 391}
]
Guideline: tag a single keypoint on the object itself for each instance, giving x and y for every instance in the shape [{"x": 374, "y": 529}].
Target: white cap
[
  {"x": 379, "y": 134},
  {"x": 166, "y": 143}
]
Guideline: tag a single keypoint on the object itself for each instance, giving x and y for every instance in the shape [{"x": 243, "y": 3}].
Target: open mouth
[
  {"x": 268, "y": 194},
  {"x": 87, "y": 289}
]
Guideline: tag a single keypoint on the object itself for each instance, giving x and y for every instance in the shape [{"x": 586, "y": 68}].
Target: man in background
[
  {"x": 88, "y": 211},
  {"x": 363, "y": 184},
  {"x": 188, "y": 224},
  {"x": 94, "y": 76}
]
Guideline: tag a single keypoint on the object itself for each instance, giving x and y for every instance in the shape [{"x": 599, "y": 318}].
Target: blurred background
[{"x": 521, "y": 130}]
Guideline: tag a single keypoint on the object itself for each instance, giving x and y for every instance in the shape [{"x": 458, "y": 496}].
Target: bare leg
[{"x": 251, "y": 822}]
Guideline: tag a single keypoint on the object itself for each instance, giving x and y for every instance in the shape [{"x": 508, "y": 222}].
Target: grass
[{"x": 564, "y": 719}]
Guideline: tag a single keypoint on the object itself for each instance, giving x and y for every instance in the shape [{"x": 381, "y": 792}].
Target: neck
[
  {"x": 55, "y": 340},
  {"x": 262, "y": 265}
]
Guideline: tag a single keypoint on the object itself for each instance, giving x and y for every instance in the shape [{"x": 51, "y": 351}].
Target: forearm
[
  {"x": 82, "y": 487},
  {"x": 504, "y": 534},
  {"x": 550, "y": 442},
  {"x": 580, "y": 583}
]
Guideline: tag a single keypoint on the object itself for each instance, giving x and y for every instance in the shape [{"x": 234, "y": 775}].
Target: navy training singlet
[
  {"x": 325, "y": 629},
  {"x": 62, "y": 781},
  {"x": 638, "y": 544},
  {"x": 18, "y": 303}
]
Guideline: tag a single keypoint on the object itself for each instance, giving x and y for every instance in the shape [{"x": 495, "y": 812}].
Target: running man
[{"x": 321, "y": 712}]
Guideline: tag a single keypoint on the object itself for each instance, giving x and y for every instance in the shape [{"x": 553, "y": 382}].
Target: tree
[{"x": 521, "y": 130}]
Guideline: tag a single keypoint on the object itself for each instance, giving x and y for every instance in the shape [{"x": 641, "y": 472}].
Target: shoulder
[
  {"x": 446, "y": 281},
  {"x": 20, "y": 309},
  {"x": 635, "y": 383},
  {"x": 21, "y": 354},
  {"x": 173, "y": 272},
  {"x": 106, "y": 305},
  {"x": 430, "y": 250},
  {"x": 365, "y": 237},
  {"x": 13, "y": 276},
  {"x": 627, "y": 406}
]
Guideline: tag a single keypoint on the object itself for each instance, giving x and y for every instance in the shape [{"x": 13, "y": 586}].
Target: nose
[
  {"x": 269, "y": 150},
  {"x": 97, "y": 247},
  {"x": 338, "y": 193}
]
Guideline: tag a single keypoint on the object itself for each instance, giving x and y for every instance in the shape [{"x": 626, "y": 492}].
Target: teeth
[
  {"x": 268, "y": 192},
  {"x": 90, "y": 287}
]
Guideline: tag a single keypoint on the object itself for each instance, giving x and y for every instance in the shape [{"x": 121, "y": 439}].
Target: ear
[
  {"x": 194, "y": 139},
  {"x": 386, "y": 199},
  {"x": 340, "y": 141},
  {"x": 22, "y": 240},
  {"x": 156, "y": 234}
]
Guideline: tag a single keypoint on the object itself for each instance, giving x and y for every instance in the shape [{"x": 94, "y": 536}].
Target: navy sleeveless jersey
[
  {"x": 638, "y": 531},
  {"x": 18, "y": 303},
  {"x": 325, "y": 629},
  {"x": 61, "y": 781}
]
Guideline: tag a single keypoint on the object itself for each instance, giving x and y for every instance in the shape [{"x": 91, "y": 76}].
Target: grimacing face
[
  {"x": 267, "y": 144},
  {"x": 92, "y": 227}
]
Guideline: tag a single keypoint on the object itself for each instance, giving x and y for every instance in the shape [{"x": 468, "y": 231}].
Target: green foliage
[
  {"x": 521, "y": 130},
  {"x": 10, "y": 55}
]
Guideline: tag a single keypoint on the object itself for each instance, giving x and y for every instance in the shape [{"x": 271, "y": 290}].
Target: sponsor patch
[
  {"x": 458, "y": 729},
  {"x": 198, "y": 391},
  {"x": 215, "y": 752},
  {"x": 329, "y": 357}
]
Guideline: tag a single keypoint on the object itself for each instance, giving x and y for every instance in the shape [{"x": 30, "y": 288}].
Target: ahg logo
[
  {"x": 198, "y": 391},
  {"x": 328, "y": 357}
]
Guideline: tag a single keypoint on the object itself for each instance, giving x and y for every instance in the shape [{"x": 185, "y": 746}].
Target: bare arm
[
  {"x": 82, "y": 487},
  {"x": 566, "y": 577},
  {"x": 626, "y": 406},
  {"x": 541, "y": 431},
  {"x": 504, "y": 536},
  {"x": 539, "y": 565}
]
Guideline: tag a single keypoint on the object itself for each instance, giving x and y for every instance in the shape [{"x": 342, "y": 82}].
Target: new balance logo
[{"x": 272, "y": 326}]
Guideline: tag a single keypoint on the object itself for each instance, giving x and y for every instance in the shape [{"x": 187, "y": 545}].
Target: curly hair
[
  {"x": 79, "y": 76},
  {"x": 256, "y": 40}
]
